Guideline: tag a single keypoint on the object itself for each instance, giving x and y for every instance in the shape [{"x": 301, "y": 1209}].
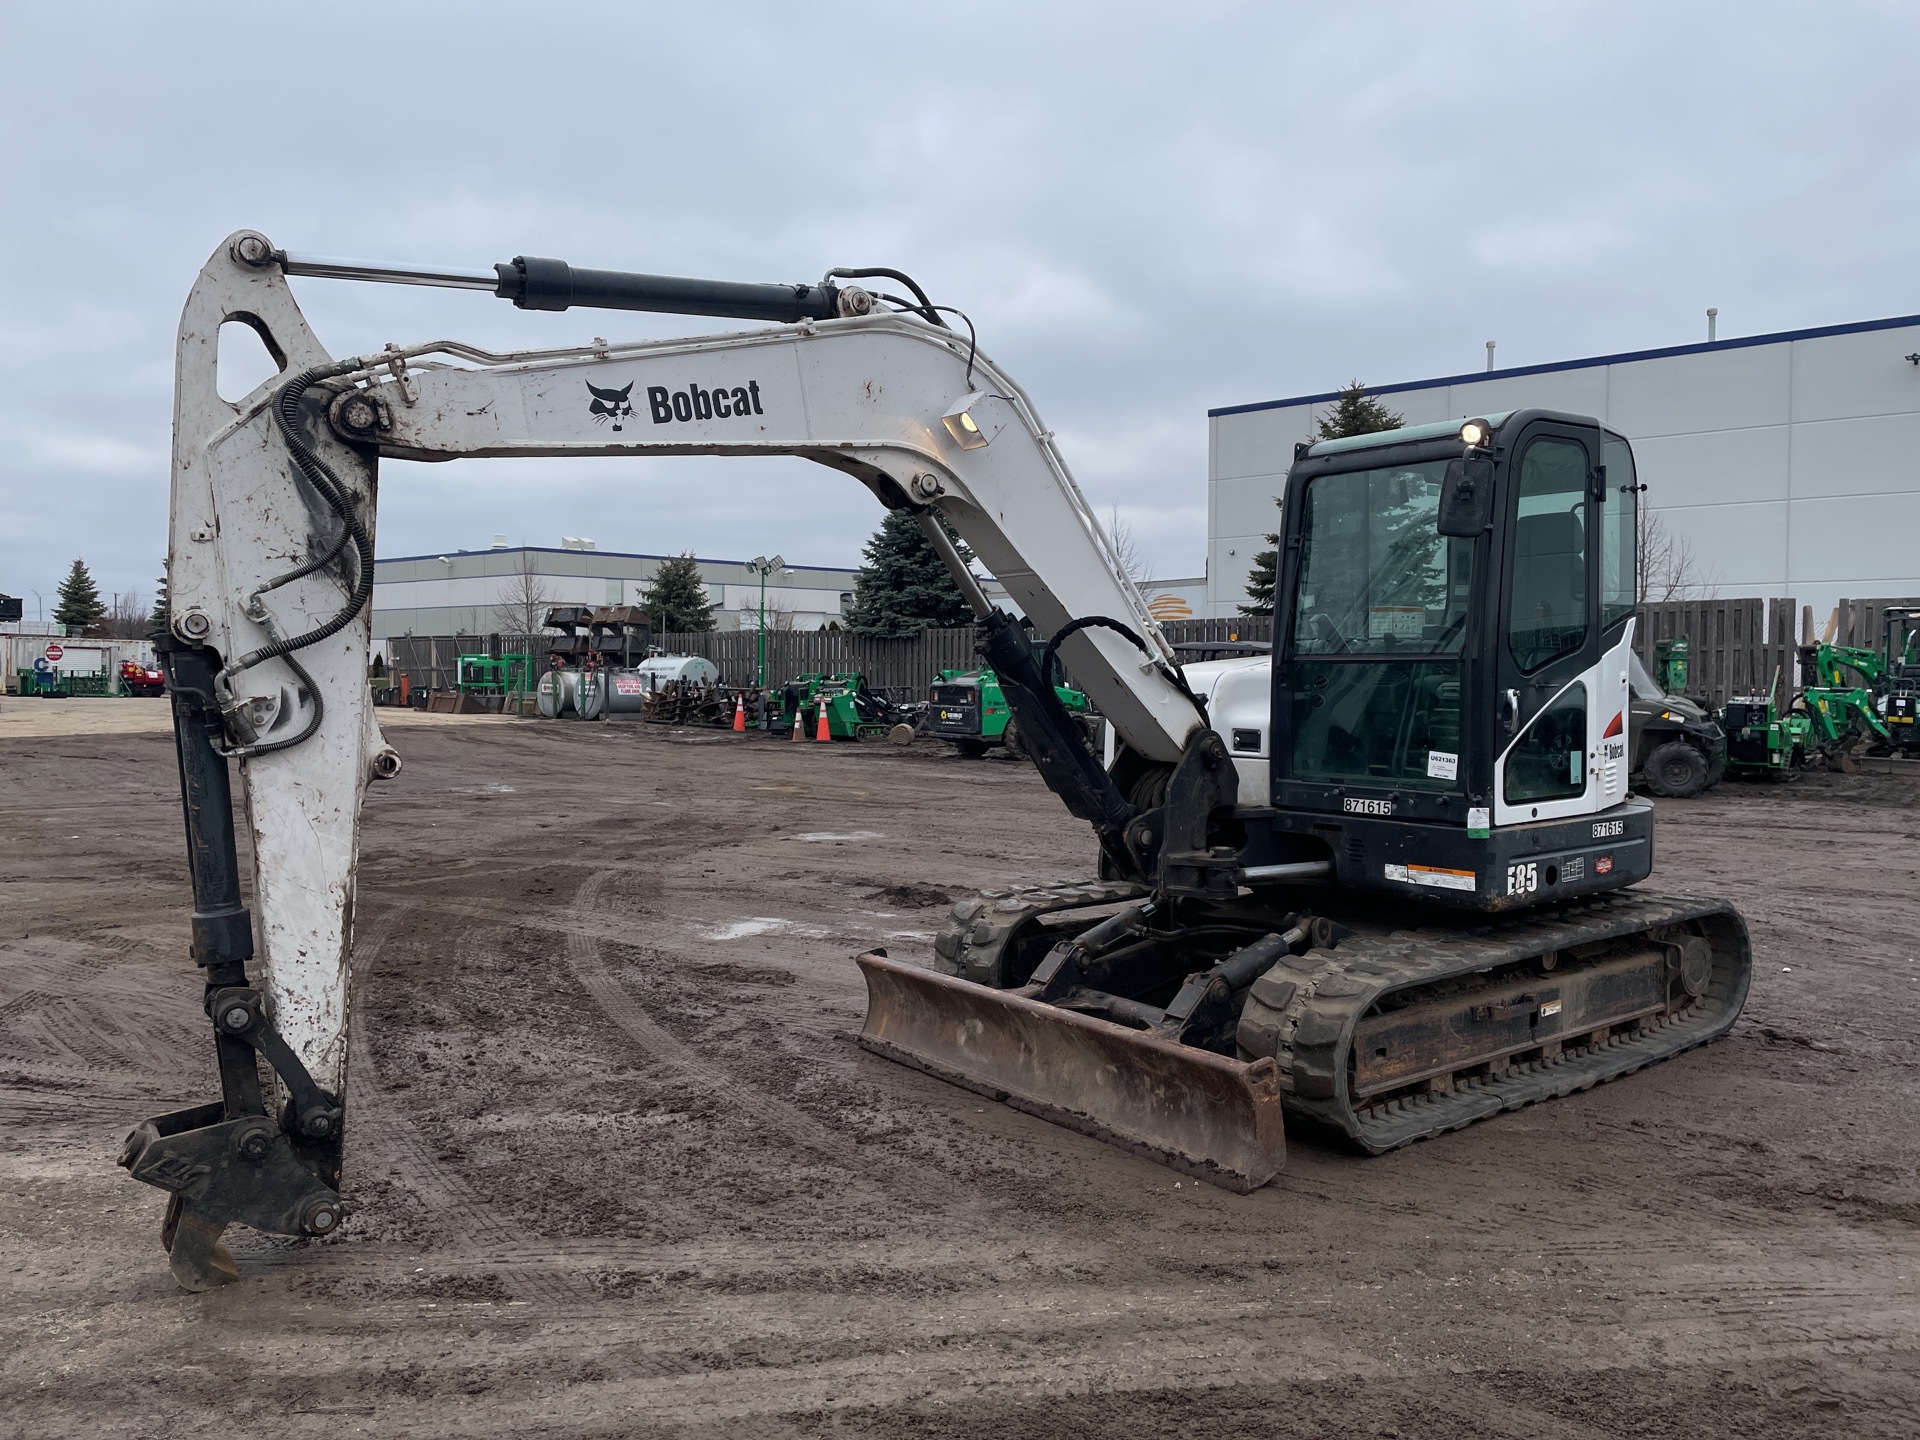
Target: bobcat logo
[{"x": 610, "y": 405}]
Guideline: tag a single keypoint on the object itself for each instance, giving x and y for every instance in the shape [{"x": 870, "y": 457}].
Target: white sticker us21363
[{"x": 1441, "y": 765}]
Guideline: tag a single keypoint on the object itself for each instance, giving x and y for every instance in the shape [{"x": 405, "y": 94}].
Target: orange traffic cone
[
  {"x": 739, "y": 715},
  {"x": 798, "y": 733},
  {"x": 822, "y": 732}
]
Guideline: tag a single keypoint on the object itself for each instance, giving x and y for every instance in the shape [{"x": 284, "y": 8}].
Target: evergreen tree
[
  {"x": 1260, "y": 580},
  {"x": 1357, "y": 413},
  {"x": 80, "y": 607},
  {"x": 676, "y": 598},
  {"x": 1354, "y": 413},
  {"x": 159, "y": 619},
  {"x": 904, "y": 587}
]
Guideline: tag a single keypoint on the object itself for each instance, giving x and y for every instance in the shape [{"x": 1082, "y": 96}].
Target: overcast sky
[{"x": 1148, "y": 210}]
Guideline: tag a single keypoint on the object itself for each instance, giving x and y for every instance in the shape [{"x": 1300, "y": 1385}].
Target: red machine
[{"x": 137, "y": 679}]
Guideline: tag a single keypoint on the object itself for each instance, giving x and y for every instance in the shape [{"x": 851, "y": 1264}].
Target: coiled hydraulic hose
[{"x": 318, "y": 474}]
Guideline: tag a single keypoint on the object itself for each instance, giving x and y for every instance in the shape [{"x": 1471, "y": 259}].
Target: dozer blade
[{"x": 1215, "y": 1118}]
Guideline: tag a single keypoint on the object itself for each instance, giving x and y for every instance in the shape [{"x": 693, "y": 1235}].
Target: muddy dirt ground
[{"x": 621, "y": 1170}]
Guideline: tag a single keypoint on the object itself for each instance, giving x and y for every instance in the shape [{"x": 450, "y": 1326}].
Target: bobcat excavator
[{"x": 1375, "y": 884}]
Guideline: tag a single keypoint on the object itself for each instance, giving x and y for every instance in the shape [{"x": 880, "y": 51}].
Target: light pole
[{"x": 760, "y": 565}]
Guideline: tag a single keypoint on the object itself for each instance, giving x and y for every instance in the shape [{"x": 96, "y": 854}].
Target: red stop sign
[{"x": 54, "y": 652}]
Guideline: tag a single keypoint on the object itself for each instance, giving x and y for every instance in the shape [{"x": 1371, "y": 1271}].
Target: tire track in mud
[
  {"x": 474, "y": 1237},
  {"x": 73, "y": 1015},
  {"x": 567, "y": 920},
  {"x": 390, "y": 1140},
  {"x": 710, "y": 1363},
  {"x": 880, "y": 1170},
  {"x": 1492, "y": 1414}
]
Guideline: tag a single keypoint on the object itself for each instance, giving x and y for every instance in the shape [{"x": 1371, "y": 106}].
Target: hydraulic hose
[
  {"x": 926, "y": 308},
  {"x": 319, "y": 475},
  {"x": 1105, "y": 622}
]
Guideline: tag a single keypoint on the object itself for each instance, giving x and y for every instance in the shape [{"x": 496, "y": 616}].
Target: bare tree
[
  {"x": 126, "y": 617},
  {"x": 779, "y": 617},
  {"x": 1669, "y": 567},
  {"x": 524, "y": 598},
  {"x": 1126, "y": 549}
]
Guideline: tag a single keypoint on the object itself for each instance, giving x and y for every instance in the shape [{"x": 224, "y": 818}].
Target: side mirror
[{"x": 1466, "y": 497}]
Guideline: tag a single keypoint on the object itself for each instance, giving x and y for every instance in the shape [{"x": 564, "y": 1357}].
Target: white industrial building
[
  {"x": 1788, "y": 463},
  {"x": 471, "y": 592}
]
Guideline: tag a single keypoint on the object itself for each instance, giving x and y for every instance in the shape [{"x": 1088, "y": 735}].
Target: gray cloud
[{"x": 1147, "y": 209}]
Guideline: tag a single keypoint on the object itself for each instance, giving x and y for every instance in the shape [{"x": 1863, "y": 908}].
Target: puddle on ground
[{"x": 762, "y": 925}]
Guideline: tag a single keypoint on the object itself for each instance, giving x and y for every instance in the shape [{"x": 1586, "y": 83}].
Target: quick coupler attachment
[
  {"x": 230, "y": 1161},
  {"x": 218, "y": 1171}
]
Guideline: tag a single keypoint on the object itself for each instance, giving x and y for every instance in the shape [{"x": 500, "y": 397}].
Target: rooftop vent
[{"x": 499, "y": 542}]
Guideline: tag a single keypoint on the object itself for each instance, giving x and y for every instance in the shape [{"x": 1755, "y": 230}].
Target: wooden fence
[
  {"x": 1736, "y": 646},
  {"x": 901, "y": 668},
  {"x": 1224, "y": 628},
  {"x": 1862, "y": 623},
  {"x": 430, "y": 662}
]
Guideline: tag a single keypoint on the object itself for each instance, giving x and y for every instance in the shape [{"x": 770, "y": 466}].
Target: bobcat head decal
[{"x": 609, "y": 405}]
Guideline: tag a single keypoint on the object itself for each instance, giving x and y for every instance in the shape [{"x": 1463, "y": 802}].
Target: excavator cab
[
  {"x": 1447, "y": 732},
  {"x": 1452, "y": 631}
]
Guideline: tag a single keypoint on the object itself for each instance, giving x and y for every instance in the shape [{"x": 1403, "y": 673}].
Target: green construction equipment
[
  {"x": 1900, "y": 700},
  {"x": 1764, "y": 739},
  {"x": 854, "y": 711},
  {"x": 1671, "y": 661},
  {"x": 500, "y": 675},
  {"x": 487, "y": 684},
  {"x": 1844, "y": 717},
  {"x": 968, "y": 708}
]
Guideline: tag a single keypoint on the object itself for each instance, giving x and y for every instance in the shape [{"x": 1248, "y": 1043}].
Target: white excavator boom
[{"x": 270, "y": 573}]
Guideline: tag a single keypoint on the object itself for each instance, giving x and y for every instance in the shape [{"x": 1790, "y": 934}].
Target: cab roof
[{"x": 1438, "y": 430}]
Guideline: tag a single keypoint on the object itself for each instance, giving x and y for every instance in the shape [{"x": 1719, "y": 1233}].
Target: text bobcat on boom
[{"x": 694, "y": 403}]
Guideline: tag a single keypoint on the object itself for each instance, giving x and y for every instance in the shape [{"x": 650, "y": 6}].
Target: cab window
[
  {"x": 1619, "y": 535},
  {"x": 1549, "y": 760},
  {"x": 1547, "y": 584}
]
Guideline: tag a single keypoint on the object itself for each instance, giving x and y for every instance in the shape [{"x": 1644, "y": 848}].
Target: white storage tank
[
  {"x": 627, "y": 690},
  {"x": 657, "y": 670}
]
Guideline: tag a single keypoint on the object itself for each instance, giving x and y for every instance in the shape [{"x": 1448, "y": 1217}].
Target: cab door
[{"x": 1549, "y": 681}]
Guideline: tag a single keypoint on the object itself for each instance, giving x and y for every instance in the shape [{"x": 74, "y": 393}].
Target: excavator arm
[{"x": 271, "y": 573}]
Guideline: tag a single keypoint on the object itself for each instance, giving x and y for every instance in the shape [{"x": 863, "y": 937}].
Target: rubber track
[
  {"x": 971, "y": 943},
  {"x": 1302, "y": 1012}
]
